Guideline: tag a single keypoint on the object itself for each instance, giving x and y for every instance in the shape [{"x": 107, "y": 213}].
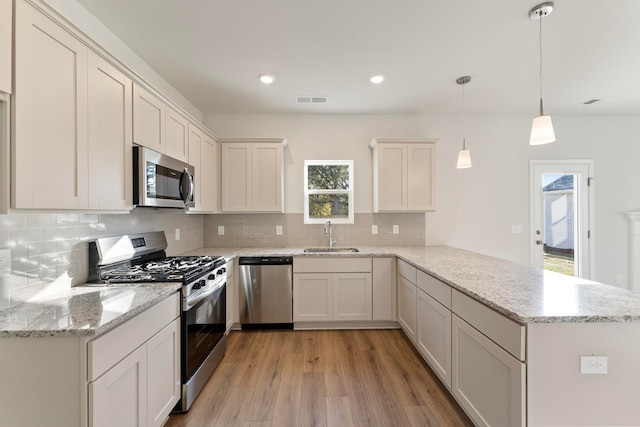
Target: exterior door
[{"x": 561, "y": 216}]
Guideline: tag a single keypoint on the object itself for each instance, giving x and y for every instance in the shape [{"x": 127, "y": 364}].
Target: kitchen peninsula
[{"x": 540, "y": 324}]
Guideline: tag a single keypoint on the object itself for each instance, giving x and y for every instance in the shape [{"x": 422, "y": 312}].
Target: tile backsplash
[
  {"x": 259, "y": 230},
  {"x": 50, "y": 251}
]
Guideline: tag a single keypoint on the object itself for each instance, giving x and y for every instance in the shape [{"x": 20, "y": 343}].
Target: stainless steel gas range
[{"x": 142, "y": 258}]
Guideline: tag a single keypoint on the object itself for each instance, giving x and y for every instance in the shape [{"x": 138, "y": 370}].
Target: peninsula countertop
[
  {"x": 85, "y": 310},
  {"x": 524, "y": 294}
]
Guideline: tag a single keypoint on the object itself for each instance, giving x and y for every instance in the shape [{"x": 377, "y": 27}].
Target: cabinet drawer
[
  {"x": 407, "y": 271},
  {"x": 108, "y": 349},
  {"x": 438, "y": 290},
  {"x": 505, "y": 332},
  {"x": 331, "y": 265}
]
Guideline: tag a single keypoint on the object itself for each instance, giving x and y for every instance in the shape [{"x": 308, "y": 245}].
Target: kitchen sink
[{"x": 332, "y": 250}]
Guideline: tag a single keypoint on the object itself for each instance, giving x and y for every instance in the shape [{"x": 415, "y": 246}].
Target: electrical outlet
[
  {"x": 5, "y": 262},
  {"x": 517, "y": 229},
  {"x": 177, "y": 234},
  {"x": 593, "y": 364},
  {"x": 221, "y": 230},
  {"x": 396, "y": 229},
  {"x": 278, "y": 230},
  {"x": 374, "y": 229}
]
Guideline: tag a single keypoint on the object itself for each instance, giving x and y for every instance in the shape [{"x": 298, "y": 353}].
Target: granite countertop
[
  {"x": 85, "y": 310},
  {"x": 524, "y": 294}
]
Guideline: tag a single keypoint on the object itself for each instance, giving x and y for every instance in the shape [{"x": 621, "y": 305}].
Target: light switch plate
[
  {"x": 374, "y": 229},
  {"x": 177, "y": 234},
  {"x": 396, "y": 229},
  {"x": 278, "y": 230},
  {"x": 221, "y": 230},
  {"x": 517, "y": 229}
]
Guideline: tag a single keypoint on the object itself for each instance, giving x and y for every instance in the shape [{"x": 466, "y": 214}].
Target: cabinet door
[
  {"x": 148, "y": 120},
  {"x": 392, "y": 177},
  {"x": 196, "y": 140},
  {"x": 352, "y": 296},
  {"x": 384, "y": 289},
  {"x": 236, "y": 177},
  {"x": 420, "y": 173},
  {"x": 119, "y": 397},
  {"x": 232, "y": 296},
  {"x": 407, "y": 307},
  {"x": 266, "y": 180},
  {"x": 312, "y": 297},
  {"x": 163, "y": 373},
  {"x": 49, "y": 147},
  {"x": 176, "y": 135},
  {"x": 6, "y": 25},
  {"x": 433, "y": 336},
  {"x": 486, "y": 380},
  {"x": 109, "y": 136},
  {"x": 208, "y": 172}
]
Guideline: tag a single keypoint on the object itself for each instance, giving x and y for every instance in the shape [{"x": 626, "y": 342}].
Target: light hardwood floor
[{"x": 322, "y": 378}]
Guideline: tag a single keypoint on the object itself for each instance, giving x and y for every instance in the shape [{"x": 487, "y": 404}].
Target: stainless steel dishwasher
[{"x": 266, "y": 292}]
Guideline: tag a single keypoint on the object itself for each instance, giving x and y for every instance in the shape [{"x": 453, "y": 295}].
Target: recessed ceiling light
[
  {"x": 377, "y": 79},
  {"x": 266, "y": 78}
]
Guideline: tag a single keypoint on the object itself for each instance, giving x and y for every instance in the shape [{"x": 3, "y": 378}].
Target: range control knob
[
  {"x": 198, "y": 284},
  {"x": 211, "y": 277}
]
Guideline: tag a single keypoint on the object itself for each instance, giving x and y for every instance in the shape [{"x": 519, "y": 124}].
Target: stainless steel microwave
[{"x": 161, "y": 181}]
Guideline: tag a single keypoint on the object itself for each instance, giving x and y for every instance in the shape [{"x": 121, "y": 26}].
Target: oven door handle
[{"x": 193, "y": 301}]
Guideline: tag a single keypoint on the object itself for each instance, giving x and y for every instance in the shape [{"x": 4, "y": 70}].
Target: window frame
[{"x": 349, "y": 192}]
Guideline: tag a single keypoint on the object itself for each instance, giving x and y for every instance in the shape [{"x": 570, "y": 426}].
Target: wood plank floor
[{"x": 322, "y": 378}]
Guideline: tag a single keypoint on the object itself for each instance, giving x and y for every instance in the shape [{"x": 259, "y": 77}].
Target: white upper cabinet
[
  {"x": 158, "y": 126},
  {"x": 110, "y": 121},
  {"x": 148, "y": 120},
  {"x": 49, "y": 147},
  {"x": 203, "y": 156},
  {"x": 176, "y": 135},
  {"x": 403, "y": 174},
  {"x": 6, "y": 26},
  {"x": 252, "y": 178}
]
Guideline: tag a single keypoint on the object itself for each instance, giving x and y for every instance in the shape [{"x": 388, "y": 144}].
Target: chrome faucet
[{"x": 328, "y": 230}]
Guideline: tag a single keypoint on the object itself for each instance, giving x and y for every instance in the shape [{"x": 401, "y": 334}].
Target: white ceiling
[{"x": 212, "y": 51}]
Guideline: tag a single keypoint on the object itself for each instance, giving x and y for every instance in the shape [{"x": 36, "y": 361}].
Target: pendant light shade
[
  {"x": 464, "y": 156},
  {"x": 542, "y": 131},
  {"x": 541, "y": 128}
]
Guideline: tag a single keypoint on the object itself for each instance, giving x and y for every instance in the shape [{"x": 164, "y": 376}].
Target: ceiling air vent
[
  {"x": 591, "y": 101},
  {"x": 307, "y": 99}
]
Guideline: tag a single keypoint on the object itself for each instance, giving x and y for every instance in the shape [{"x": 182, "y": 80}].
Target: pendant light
[
  {"x": 464, "y": 157},
  {"x": 542, "y": 128}
]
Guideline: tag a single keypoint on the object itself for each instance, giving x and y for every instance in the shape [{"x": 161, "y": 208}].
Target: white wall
[{"x": 475, "y": 207}]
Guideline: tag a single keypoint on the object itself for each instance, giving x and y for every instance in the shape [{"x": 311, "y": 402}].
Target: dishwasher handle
[{"x": 265, "y": 260}]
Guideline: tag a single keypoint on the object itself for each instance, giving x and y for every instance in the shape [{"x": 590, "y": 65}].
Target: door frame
[{"x": 587, "y": 231}]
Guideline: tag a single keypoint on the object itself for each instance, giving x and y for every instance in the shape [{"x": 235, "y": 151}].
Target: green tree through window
[{"x": 329, "y": 191}]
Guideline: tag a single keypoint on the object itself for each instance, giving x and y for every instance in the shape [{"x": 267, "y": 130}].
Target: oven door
[{"x": 203, "y": 326}]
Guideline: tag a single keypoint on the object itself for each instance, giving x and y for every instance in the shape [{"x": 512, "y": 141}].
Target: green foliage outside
[{"x": 328, "y": 177}]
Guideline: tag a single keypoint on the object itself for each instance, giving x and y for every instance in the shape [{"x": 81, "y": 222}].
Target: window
[{"x": 328, "y": 191}]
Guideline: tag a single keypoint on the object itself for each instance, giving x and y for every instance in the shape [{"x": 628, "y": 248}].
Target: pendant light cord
[
  {"x": 540, "y": 73},
  {"x": 464, "y": 121}
]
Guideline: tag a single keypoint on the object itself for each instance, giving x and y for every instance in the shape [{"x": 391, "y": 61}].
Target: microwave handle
[{"x": 186, "y": 198}]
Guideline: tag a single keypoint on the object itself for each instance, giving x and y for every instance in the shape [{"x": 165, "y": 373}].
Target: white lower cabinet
[
  {"x": 141, "y": 387},
  {"x": 407, "y": 307},
  {"x": 332, "y": 289},
  {"x": 488, "y": 382},
  {"x": 119, "y": 397},
  {"x": 312, "y": 297},
  {"x": 433, "y": 335},
  {"x": 163, "y": 373}
]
